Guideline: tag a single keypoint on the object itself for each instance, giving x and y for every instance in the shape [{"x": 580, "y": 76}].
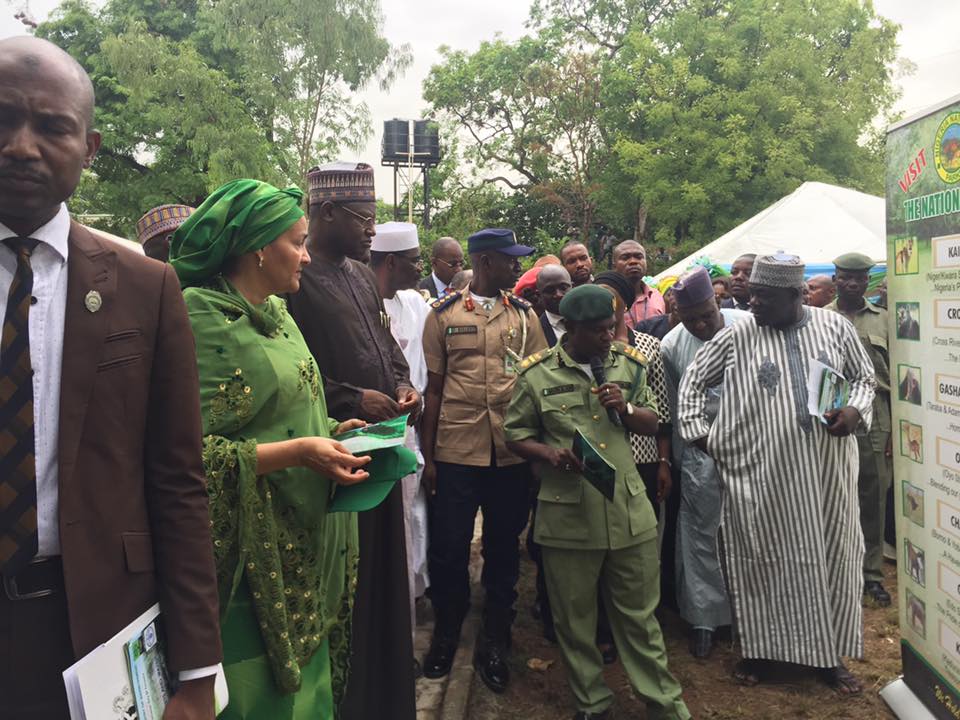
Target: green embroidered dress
[{"x": 286, "y": 568}]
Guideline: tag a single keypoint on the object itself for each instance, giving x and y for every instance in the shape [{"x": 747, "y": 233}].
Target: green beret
[
  {"x": 588, "y": 302},
  {"x": 853, "y": 261}
]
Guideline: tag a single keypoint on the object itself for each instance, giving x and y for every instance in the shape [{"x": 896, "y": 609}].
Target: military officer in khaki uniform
[
  {"x": 586, "y": 538},
  {"x": 474, "y": 341},
  {"x": 876, "y": 471}
]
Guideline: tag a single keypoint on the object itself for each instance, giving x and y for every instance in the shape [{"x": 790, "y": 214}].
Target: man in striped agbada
[{"x": 790, "y": 530}]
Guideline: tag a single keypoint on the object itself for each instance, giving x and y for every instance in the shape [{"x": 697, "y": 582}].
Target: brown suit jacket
[{"x": 134, "y": 522}]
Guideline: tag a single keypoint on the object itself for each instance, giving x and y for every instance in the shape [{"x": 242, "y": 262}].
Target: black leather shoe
[
  {"x": 439, "y": 658},
  {"x": 701, "y": 643},
  {"x": 875, "y": 590},
  {"x": 489, "y": 660},
  {"x": 605, "y": 715}
]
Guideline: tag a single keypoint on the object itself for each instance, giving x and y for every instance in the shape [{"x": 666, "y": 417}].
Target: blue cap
[{"x": 500, "y": 239}]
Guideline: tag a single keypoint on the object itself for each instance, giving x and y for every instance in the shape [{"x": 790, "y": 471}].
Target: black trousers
[
  {"x": 501, "y": 493},
  {"x": 35, "y": 649}
]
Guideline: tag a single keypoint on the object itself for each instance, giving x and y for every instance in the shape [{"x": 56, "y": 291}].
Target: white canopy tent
[{"x": 816, "y": 221}]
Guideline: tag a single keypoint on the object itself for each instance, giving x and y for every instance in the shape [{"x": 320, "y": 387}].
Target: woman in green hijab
[{"x": 285, "y": 566}]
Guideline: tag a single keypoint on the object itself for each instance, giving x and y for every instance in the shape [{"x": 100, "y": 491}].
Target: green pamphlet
[
  {"x": 388, "y": 433},
  {"x": 598, "y": 472},
  {"x": 390, "y": 461}
]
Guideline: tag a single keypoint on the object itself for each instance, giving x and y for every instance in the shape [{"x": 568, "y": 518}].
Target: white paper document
[{"x": 99, "y": 685}]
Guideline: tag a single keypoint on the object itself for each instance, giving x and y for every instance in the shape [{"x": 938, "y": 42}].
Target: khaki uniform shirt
[
  {"x": 551, "y": 401},
  {"x": 870, "y": 322},
  {"x": 477, "y": 353}
]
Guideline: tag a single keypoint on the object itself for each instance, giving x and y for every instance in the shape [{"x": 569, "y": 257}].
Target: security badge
[{"x": 92, "y": 301}]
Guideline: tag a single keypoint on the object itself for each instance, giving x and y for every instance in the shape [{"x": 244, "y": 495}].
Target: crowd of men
[{"x": 720, "y": 487}]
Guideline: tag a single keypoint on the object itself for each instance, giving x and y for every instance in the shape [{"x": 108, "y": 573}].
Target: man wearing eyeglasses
[
  {"x": 342, "y": 317},
  {"x": 395, "y": 260},
  {"x": 446, "y": 260}
]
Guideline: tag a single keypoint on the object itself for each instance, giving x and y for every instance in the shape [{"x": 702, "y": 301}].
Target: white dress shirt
[
  {"x": 558, "y": 323},
  {"x": 47, "y": 316},
  {"x": 49, "y": 263},
  {"x": 441, "y": 285}
]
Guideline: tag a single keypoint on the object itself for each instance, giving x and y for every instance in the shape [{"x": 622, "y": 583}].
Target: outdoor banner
[{"x": 923, "y": 277}]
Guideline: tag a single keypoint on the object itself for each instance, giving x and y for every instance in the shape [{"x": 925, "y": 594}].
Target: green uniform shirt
[
  {"x": 551, "y": 400},
  {"x": 870, "y": 322}
]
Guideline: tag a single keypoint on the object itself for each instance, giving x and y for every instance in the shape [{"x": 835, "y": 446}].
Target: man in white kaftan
[
  {"x": 395, "y": 260},
  {"x": 791, "y": 532}
]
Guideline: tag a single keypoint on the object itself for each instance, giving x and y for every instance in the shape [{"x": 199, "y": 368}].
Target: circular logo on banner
[{"x": 946, "y": 148}]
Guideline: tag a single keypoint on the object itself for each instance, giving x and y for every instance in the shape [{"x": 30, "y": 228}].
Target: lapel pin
[{"x": 93, "y": 301}]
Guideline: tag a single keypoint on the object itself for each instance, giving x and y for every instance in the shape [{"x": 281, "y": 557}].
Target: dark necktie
[{"x": 18, "y": 474}]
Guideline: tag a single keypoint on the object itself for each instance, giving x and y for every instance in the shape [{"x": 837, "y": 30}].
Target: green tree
[
  {"x": 192, "y": 94},
  {"x": 735, "y": 105},
  {"x": 673, "y": 120},
  {"x": 530, "y": 110}
]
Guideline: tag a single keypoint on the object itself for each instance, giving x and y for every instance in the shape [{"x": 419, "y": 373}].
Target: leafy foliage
[
  {"x": 670, "y": 120},
  {"x": 193, "y": 94}
]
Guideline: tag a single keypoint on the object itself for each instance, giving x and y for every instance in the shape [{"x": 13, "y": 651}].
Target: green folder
[
  {"x": 598, "y": 472},
  {"x": 386, "y": 467}
]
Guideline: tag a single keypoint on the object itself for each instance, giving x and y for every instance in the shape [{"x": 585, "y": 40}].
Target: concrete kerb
[{"x": 456, "y": 697}]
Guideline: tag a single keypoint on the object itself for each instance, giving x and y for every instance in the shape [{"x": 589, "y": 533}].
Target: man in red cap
[{"x": 526, "y": 288}]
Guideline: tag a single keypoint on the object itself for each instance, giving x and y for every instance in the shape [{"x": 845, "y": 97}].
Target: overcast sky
[{"x": 926, "y": 38}]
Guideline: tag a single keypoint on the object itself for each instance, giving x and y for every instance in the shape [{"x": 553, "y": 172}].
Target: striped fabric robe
[{"x": 790, "y": 525}]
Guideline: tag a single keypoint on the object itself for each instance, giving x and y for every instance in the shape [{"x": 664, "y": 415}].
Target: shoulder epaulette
[
  {"x": 630, "y": 352},
  {"x": 441, "y": 304},
  {"x": 530, "y": 360},
  {"x": 518, "y": 302}
]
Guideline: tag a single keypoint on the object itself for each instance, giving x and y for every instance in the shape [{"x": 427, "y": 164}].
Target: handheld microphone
[{"x": 600, "y": 376}]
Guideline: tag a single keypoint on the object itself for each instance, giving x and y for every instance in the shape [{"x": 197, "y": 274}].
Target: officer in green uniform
[
  {"x": 587, "y": 539},
  {"x": 876, "y": 472}
]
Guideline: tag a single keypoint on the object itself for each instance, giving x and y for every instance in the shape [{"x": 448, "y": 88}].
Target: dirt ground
[{"x": 709, "y": 690}]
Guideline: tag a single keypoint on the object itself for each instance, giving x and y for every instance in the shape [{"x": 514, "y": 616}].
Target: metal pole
[
  {"x": 426, "y": 198},
  {"x": 410, "y": 151}
]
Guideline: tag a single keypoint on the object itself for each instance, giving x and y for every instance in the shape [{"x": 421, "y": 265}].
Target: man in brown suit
[{"x": 103, "y": 508}]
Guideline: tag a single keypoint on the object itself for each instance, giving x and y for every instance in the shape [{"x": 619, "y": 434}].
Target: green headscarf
[{"x": 239, "y": 217}]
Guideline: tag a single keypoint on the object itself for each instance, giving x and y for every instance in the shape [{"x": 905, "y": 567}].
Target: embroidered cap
[
  {"x": 779, "y": 270},
  {"x": 693, "y": 288},
  {"x": 341, "y": 182},
  {"x": 164, "y": 219}
]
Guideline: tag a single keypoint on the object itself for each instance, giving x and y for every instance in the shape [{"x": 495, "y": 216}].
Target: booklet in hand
[
  {"x": 388, "y": 433},
  {"x": 598, "y": 472},
  {"x": 128, "y": 677},
  {"x": 389, "y": 462},
  {"x": 826, "y": 390}
]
